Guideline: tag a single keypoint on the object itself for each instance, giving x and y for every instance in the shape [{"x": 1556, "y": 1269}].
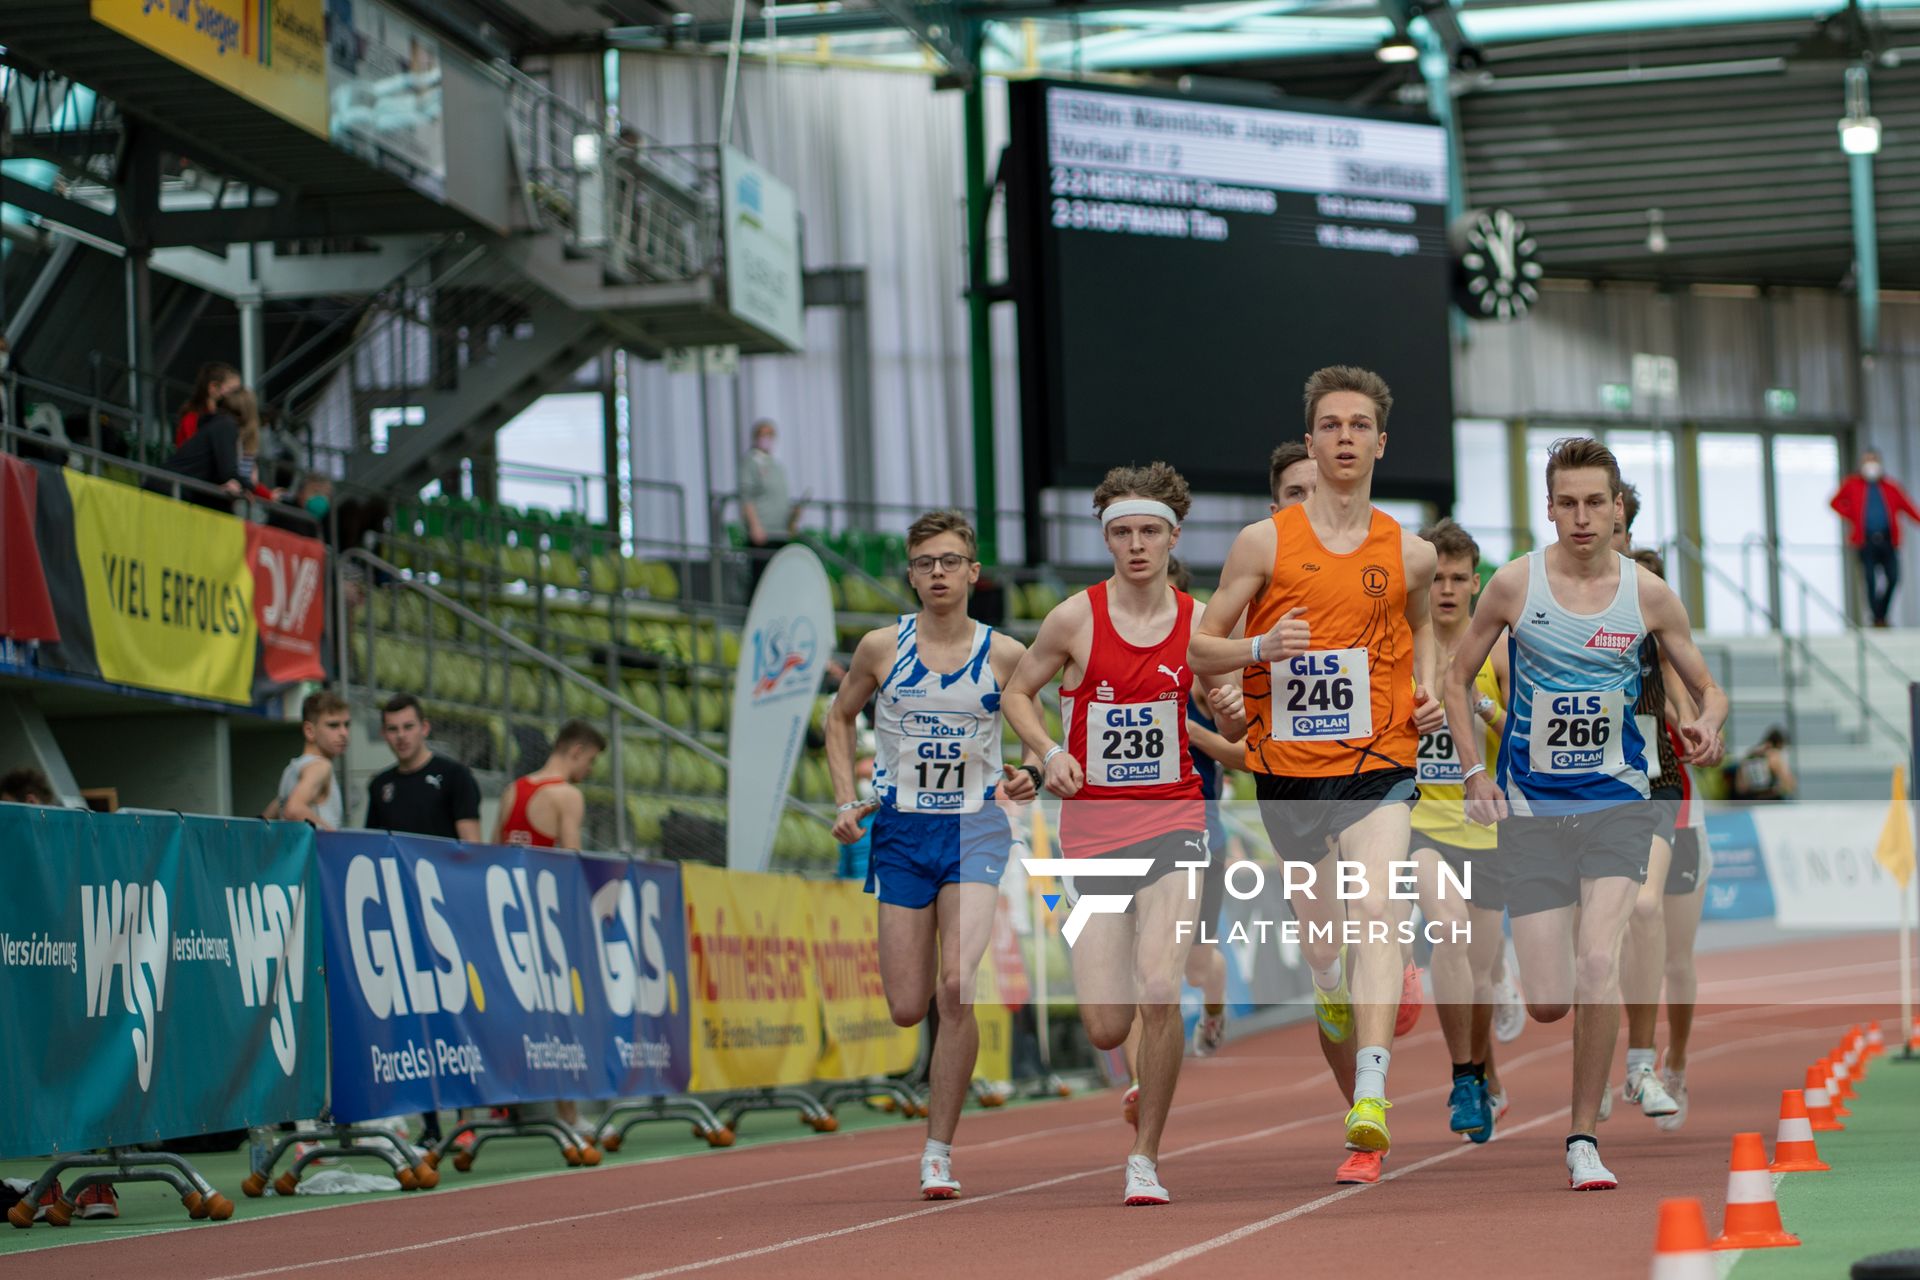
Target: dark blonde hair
[
  {"x": 1580, "y": 453},
  {"x": 1283, "y": 457},
  {"x": 1156, "y": 481},
  {"x": 1347, "y": 377},
  {"x": 1652, "y": 561},
  {"x": 318, "y": 706},
  {"x": 1450, "y": 540},
  {"x": 578, "y": 733},
  {"x": 241, "y": 404},
  {"x": 1629, "y": 505},
  {"x": 934, "y": 523}
]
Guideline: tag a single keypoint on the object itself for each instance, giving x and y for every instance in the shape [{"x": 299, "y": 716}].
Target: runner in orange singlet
[{"x": 1338, "y": 672}]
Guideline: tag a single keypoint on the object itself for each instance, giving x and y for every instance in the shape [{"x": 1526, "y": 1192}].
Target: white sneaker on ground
[
  {"x": 1644, "y": 1087},
  {"x": 936, "y": 1179},
  {"x": 1584, "y": 1170},
  {"x": 1509, "y": 1014},
  {"x": 1675, "y": 1083},
  {"x": 1143, "y": 1183},
  {"x": 1208, "y": 1033}
]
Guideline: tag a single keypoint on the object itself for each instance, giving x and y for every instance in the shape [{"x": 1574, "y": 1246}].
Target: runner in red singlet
[
  {"x": 1127, "y": 785},
  {"x": 545, "y": 809}
]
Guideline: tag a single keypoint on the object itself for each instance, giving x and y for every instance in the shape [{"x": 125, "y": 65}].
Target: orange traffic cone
[
  {"x": 1753, "y": 1219},
  {"x": 1819, "y": 1105},
  {"x": 1793, "y": 1146},
  {"x": 1842, "y": 1080},
  {"x": 1835, "y": 1094},
  {"x": 1680, "y": 1249},
  {"x": 1876, "y": 1039}
]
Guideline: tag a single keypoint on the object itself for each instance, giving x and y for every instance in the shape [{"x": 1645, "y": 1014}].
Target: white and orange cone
[
  {"x": 1840, "y": 1108},
  {"x": 1876, "y": 1039},
  {"x": 1753, "y": 1217},
  {"x": 1794, "y": 1150},
  {"x": 1819, "y": 1106},
  {"x": 1680, "y": 1248}
]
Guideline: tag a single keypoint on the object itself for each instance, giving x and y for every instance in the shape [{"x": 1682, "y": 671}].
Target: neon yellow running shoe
[
  {"x": 1335, "y": 1008},
  {"x": 1367, "y": 1125}
]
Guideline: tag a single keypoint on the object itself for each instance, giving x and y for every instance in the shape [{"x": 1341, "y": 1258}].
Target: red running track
[{"x": 1249, "y": 1157}]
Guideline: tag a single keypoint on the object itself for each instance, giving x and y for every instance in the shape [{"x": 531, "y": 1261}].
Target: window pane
[
  {"x": 1806, "y": 471},
  {"x": 1733, "y": 526},
  {"x": 1646, "y": 463},
  {"x": 1480, "y": 486}
]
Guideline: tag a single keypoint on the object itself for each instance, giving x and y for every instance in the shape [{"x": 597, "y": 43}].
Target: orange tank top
[
  {"x": 1346, "y": 707},
  {"x": 518, "y": 828}
]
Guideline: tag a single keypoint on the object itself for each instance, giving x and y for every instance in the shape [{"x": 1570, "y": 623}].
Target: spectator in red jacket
[{"x": 1872, "y": 505}]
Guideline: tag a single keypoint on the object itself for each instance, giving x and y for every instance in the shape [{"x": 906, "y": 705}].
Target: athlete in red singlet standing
[
  {"x": 545, "y": 808},
  {"x": 1127, "y": 784}
]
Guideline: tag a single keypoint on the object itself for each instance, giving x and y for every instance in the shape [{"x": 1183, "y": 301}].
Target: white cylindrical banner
[{"x": 783, "y": 656}]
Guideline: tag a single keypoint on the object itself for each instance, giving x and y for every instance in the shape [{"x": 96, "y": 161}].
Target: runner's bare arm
[
  {"x": 1216, "y": 748},
  {"x": 842, "y": 732},
  {"x": 1213, "y": 651},
  {"x": 272, "y": 810},
  {"x": 1666, "y": 618},
  {"x": 1419, "y": 560},
  {"x": 315, "y": 776},
  {"x": 467, "y": 830},
  {"x": 1222, "y": 693},
  {"x": 1499, "y": 606},
  {"x": 1019, "y": 698},
  {"x": 570, "y": 810},
  {"x": 1680, "y": 704},
  {"x": 1004, "y": 657}
]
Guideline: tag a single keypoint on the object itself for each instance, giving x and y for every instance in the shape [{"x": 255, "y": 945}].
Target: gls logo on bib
[{"x": 126, "y": 927}]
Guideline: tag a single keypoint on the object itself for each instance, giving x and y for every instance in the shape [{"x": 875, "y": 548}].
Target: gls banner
[
  {"x": 159, "y": 977},
  {"x": 469, "y": 975}
]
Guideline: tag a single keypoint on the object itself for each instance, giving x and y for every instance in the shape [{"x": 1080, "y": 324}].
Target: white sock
[
  {"x": 1328, "y": 978},
  {"x": 1639, "y": 1060},
  {"x": 1370, "y": 1072},
  {"x": 944, "y": 1150}
]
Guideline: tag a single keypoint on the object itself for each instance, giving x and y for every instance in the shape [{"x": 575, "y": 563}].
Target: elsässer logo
[
  {"x": 784, "y": 652},
  {"x": 1612, "y": 641}
]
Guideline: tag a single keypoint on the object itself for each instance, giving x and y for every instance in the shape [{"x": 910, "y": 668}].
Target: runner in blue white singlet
[
  {"x": 1570, "y": 788},
  {"x": 940, "y": 839}
]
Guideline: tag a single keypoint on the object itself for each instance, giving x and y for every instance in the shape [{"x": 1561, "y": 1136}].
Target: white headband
[{"x": 1138, "y": 507}]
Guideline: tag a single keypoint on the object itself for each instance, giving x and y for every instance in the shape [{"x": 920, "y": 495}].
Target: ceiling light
[
  {"x": 1656, "y": 231},
  {"x": 1397, "y": 48},
  {"x": 1859, "y": 131}
]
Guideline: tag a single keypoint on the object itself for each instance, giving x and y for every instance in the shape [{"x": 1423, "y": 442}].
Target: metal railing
[
  {"x": 647, "y": 210},
  {"x": 619, "y": 712}
]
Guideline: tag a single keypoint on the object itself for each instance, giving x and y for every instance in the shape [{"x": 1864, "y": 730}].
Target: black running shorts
[{"x": 1304, "y": 816}]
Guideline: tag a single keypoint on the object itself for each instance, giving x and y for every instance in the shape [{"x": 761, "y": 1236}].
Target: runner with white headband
[{"x": 1126, "y": 781}]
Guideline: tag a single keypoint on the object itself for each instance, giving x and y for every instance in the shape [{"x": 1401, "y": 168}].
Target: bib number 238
[
  {"x": 1134, "y": 744},
  {"x": 1323, "y": 696}
]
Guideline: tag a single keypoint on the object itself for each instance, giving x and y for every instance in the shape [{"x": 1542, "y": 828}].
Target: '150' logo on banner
[{"x": 125, "y": 927}]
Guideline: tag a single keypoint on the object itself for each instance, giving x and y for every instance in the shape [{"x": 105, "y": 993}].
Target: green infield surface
[
  {"x": 150, "y": 1207},
  {"x": 1870, "y": 1202}
]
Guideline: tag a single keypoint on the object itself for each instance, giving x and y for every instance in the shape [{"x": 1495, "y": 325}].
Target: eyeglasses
[{"x": 952, "y": 562}]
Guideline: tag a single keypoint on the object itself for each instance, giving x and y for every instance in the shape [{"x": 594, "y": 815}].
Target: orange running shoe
[
  {"x": 1411, "y": 998},
  {"x": 1360, "y": 1167}
]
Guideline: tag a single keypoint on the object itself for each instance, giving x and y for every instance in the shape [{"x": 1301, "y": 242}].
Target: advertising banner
[
  {"x": 755, "y": 1003},
  {"x": 761, "y": 233},
  {"x": 1819, "y": 860},
  {"x": 386, "y": 104},
  {"x": 270, "y": 52},
  {"x": 472, "y": 975},
  {"x": 861, "y": 1036},
  {"x": 160, "y": 976},
  {"x": 787, "y": 639},
  {"x": 1737, "y": 884},
  {"x": 290, "y": 601}
]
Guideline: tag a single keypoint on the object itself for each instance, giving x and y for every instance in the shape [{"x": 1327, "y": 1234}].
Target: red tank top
[
  {"x": 1127, "y": 726},
  {"x": 517, "y": 829}
]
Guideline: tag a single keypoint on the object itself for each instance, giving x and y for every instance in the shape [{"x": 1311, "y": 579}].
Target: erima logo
[
  {"x": 1311, "y": 568},
  {"x": 125, "y": 927},
  {"x": 1612, "y": 641},
  {"x": 1099, "y": 870},
  {"x": 1540, "y": 617},
  {"x": 269, "y": 926}
]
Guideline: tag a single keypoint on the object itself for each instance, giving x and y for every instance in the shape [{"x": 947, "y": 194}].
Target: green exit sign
[
  {"x": 1782, "y": 402},
  {"x": 1616, "y": 396}
]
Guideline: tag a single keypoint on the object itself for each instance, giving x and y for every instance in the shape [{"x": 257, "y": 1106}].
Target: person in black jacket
[{"x": 220, "y": 450}]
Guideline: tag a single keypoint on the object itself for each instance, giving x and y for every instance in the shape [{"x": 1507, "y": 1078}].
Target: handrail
[
  {"x": 1863, "y": 642},
  {"x": 716, "y": 510},
  {"x": 171, "y": 480},
  {"x": 1813, "y": 661},
  {"x": 615, "y": 700}
]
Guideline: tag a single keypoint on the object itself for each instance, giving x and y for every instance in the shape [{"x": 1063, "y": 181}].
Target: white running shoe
[
  {"x": 1675, "y": 1083},
  {"x": 1584, "y": 1170},
  {"x": 936, "y": 1178},
  {"x": 1143, "y": 1183},
  {"x": 1606, "y": 1101},
  {"x": 1509, "y": 1014},
  {"x": 1208, "y": 1033},
  {"x": 1644, "y": 1087}
]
